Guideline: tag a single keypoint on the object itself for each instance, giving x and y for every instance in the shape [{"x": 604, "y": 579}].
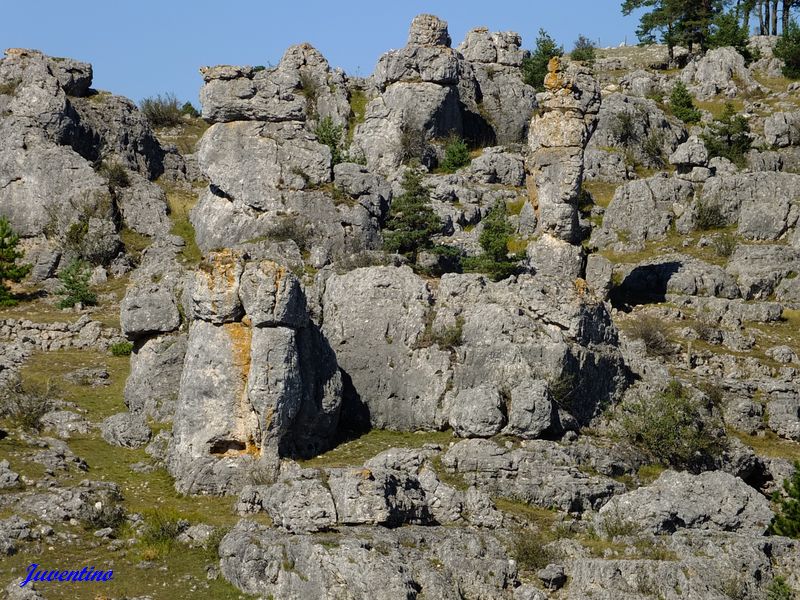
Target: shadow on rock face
[{"x": 646, "y": 284}]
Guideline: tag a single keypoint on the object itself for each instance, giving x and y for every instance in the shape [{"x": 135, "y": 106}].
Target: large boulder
[
  {"x": 782, "y": 129},
  {"x": 713, "y": 501},
  {"x": 721, "y": 71}
]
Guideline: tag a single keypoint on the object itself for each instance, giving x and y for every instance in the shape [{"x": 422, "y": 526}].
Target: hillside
[{"x": 430, "y": 333}]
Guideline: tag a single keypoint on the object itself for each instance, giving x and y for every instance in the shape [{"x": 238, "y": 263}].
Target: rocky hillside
[{"x": 425, "y": 334}]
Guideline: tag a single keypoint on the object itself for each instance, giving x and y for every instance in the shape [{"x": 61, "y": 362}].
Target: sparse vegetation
[
  {"x": 25, "y": 403},
  {"x": 584, "y": 50},
  {"x": 332, "y": 136},
  {"x": 729, "y": 136},
  {"x": 530, "y": 551},
  {"x": 115, "y": 174},
  {"x": 787, "y": 517},
  {"x": 160, "y": 530},
  {"x": 534, "y": 67},
  {"x": 673, "y": 428},
  {"x": 725, "y": 244},
  {"x": 496, "y": 260},
  {"x": 652, "y": 332},
  {"x": 9, "y": 88},
  {"x": 788, "y": 49},
  {"x": 726, "y": 31},
  {"x": 75, "y": 285},
  {"x": 189, "y": 110},
  {"x": 708, "y": 216},
  {"x": 102, "y": 515},
  {"x": 10, "y": 269},
  {"x": 162, "y": 111},
  {"x": 779, "y": 590}
]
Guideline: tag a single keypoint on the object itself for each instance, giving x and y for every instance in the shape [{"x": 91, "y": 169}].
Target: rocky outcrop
[
  {"x": 55, "y": 129},
  {"x": 721, "y": 71},
  {"x": 782, "y": 129},
  {"x": 496, "y": 368},
  {"x": 556, "y": 144},
  {"x": 711, "y": 501},
  {"x": 254, "y": 387}
]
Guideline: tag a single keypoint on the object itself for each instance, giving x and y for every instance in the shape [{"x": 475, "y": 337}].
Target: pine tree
[
  {"x": 534, "y": 67},
  {"x": 412, "y": 222},
  {"x": 788, "y": 49},
  {"x": 729, "y": 136},
  {"x": 584, "y": 50},
  {"x": 726, "y": 31},
  {"x": 678, "y": 21},
  {"x": 787, "y": 520},
  {"x": 9, "y": 269},
  {"x": 496, "y": 233},
  {"x": 75, "y": 285},
  {"x": 682, "y": 105}
]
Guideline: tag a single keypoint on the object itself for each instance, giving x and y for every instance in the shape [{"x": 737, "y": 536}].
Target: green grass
[
  {"x": 134, "y": 242},
  {"x": 180, "y": 203},
  {"x": 97, "y": 402},
  {"x": 770, "y": 445},
  {"x": 602, "y": 192},
  {"x": 45, "y": 310},
  {"x": 353, "y": 453},
  {"x": 185, "y": 135}
]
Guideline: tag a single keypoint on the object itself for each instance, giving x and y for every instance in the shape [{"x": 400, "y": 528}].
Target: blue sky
[{"x": 144, "y": 47}]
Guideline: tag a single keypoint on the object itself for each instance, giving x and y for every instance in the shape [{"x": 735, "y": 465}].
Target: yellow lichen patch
[
  {"x": 553, "y": 80},
  {"x": 241, "y": 336}
]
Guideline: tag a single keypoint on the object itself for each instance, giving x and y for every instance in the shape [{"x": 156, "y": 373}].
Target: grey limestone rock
[
  {"x": 711, "y": 501},
  {"x": 152, "y": 386},
  {"x": 126, "y": 430},
  {"x": 720, "y": 71},
  {"x": 782, "y": 129},
  {"x": 8, "y": 478}
]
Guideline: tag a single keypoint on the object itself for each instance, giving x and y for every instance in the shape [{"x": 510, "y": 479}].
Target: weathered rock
[
  {"x": 782, "y": 129},
  {"x": 126, "y": 430},
  {"x": 712, "y": 500},
  {"x": 556, "y": 142},
  {"x": 760, "y": 269},
  {"x": 692, "y": 153},
  {"x": 720, "y": 71},
  {"x": 8, "y": 478},
  {"x": 152, "y": 386},
  {"x": 271, "y": 296}
]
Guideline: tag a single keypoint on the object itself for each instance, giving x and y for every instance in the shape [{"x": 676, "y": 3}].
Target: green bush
[
  {"x": 162, "y": 111},
  {"x": 496, "y": 233},
  {"x": 787, "y": 517},
  {"x": 672, "y": 429},
  {"x": 729, "y": 137},
  {"x": 623, "y": 128},
  {"x": 107, "y": 514},
  {"x": 726, "y": 31},
  {"x": 75, "y": 285},
  {"x": 332, "y": 136},
  {"x": 529, "y": 550},
  {"x": 121, "y": 349},
  {"x": 653, "y": 149},
  {"x": 534, "y": 67},
  {"x": 584, "y": 50},
  {"x": 652, "y": 332},
  {"x": 9, "y": 257},
  {"x": 779, "y": 590},
  {"x": 412, "y": 222},
  {"x": 456, "y": 155},
  {"x": 788, "y": 49},
  {"x": 682, "y": 105},
  {"x": 115, "y": 174},
  {"x": 725, "y": 244},
  {"x": 26, "y": 404},
  {"x": 709, "y": 216},
  {"x": 189, "y": 110},
  {"x": 161, "y": 528}
]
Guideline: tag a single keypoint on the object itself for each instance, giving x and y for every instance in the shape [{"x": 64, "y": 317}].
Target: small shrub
[
  {"x": 653, "y": 333},
  {"x": 729, "y": 137},
  {"x": 9, "y": 257},
  {"x": 672, "y": 429},
  {"x": 616, "y": 525},
  {"x": 189, "y": 110},
  {"x": 709, "y": 216},
  {"x": 788, "y": 49},
  {"x": 623, "y": 128},
  {"x": 787, "y": 517},
  {"x": 162, "y": 111},
  {"x": 332, "y": 136},
  {"x": 450, "y": 337},
  {"x": 107, "y": 514},
  {"x": 496, "y": 233},
  {"x": 26, "y": 403},
  {"x": 115, "y": 174},
  {"x": 75, "y": 285},
  {"x": 779, "y": 590},
  {"x": 412, "y": 143},
  {"x": 682, "y": 105},
  {"x": 653, "y": 149},
  {"x": 456, "y": 155},
  {"x": 412, "y": 222},
  {"x": 530, "y": 552},
  {"x": 584, "y": 50},
  {"x": 563, "y": 389},
  {"x": 534, "y": 67},
  {"x": 309, "y": 89},
  {"x": 725, "y": 244},
  {"x": 291, "y": 228},
  {"x": 9, "y": 88},
  {"x": 121, "y": 349},
  {"x": 160, "y": 530}
]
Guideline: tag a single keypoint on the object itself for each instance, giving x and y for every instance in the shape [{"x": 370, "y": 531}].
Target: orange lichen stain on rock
[
  {"x": 553, "y": 80},
  {"x": 581, "y": 286},
  {"x": 533, "y": 194},
  {"x": 241, "y": 336},
  {"x": 365, "y": 474}
]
